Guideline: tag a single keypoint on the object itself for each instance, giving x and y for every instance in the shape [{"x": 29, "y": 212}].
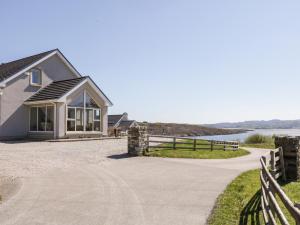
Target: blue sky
[{"x": 188, "y": 61}]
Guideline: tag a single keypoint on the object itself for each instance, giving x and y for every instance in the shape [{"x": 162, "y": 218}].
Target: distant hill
[
  {"x": 175, "y": 129},
  {"x": 259, "y": 124}
]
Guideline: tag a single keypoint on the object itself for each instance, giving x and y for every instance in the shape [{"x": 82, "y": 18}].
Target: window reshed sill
[{"x": 35, "y": 85}]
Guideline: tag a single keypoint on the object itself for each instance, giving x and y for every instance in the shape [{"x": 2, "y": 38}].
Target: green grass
[
  {"x": 217, "y": 153},
  {"x": 261, "y": 145},
  {"x": 259, "y": 141},
  {"x": 240, "y": 202},
  {"x": 292, "y": 190}
]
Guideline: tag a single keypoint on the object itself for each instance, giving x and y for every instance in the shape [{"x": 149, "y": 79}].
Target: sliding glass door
[{"x": 41, "y": 118}]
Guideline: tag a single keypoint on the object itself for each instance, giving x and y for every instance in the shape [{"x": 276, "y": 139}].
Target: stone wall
[
  {"x": 137, "y": 140},
  {"x": 291, "y": 155}
]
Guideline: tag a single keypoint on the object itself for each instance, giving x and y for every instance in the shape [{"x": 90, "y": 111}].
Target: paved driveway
[{"x": 93, "y": 182}]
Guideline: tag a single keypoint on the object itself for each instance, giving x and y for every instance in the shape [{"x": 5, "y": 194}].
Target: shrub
[{"x": 259, "y": 139}]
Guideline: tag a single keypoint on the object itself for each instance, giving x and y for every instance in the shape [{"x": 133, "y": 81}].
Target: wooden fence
[
  {"x": 167, "y": 142},
  {"x": 272, "y": 212}
]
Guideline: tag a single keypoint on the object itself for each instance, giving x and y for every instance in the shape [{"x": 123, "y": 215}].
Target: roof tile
[{"x": 10, "y": 68}]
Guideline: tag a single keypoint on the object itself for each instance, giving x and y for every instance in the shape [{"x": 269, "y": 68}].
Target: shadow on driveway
[{"x": 120, "y": 156}]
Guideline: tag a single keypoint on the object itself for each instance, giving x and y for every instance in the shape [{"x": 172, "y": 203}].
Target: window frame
[
  {"x": 84, "y": 116},
  {"x": 97, "y": 120},
  {"x": 31, "y": 76},
  {"x": 37, "y": 119}
]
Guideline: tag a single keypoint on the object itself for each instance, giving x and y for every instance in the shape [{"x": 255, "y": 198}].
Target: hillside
[
  {"x": 259, "y": 124},
  {"x": 187, "y": 130}
]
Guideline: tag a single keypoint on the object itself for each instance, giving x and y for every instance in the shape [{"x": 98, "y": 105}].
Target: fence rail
[
  {"x": 167, "y": 142},
  {"x": 270, "y": 189}
]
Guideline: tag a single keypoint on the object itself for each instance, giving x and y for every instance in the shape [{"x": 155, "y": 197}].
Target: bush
[{"x": 259, "y": 139}]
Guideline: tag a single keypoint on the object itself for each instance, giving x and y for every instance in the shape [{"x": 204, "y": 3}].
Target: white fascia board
[
  {"x": 68, "y": 64},
  {"x": 41, "y": 102},
  {"x": 56, "y": 52},
  {"x": 119, "y": 121},
  {"x": 64, "y": 97},
  {"x": 96, "y": 89},
  {"x": 27, "y": 68}
]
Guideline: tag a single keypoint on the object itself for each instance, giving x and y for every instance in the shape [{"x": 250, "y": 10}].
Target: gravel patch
[{"x": 34, "y": 158}]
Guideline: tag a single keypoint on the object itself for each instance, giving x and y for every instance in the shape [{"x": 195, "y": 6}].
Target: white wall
[{"x": 14, "y": 115}]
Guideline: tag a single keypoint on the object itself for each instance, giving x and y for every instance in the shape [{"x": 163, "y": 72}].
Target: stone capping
[
  {"x": 137, "y": 140},
  {"x": 291, "y": 155}
]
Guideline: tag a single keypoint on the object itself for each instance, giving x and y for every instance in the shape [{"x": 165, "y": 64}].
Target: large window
[
  {"x": 83, "y": 114},
  {"x": 42, "y": 118}
]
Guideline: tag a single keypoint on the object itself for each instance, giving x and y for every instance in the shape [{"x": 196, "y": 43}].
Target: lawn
[
  {"x": 240, "y": 202},
  {"x": 217, "y": 153}
]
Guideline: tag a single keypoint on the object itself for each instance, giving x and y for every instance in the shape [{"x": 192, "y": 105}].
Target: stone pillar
[
  {"x": 291, "y": 155},
  {"x": 137, "y": 140}
]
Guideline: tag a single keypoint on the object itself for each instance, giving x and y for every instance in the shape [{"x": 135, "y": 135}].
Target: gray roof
[
  {"x": 125, "y": 124},
  {"x": 113, "y": 119},
  {"x": 56, "y": 89},
  {"x": 10, "y": 68}
]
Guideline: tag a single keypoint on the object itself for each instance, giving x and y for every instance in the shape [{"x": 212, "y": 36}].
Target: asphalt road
[{"x": 87, "y": 183}]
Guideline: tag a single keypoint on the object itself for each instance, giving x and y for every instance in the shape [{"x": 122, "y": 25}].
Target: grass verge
[
  {"x": 240, "y": 202},
  {"x": 261, "y": 145},
  {"x": 217, "y": 153},
  {"x": 259, "y": 141},
  {"x": 199, "y": 154}
]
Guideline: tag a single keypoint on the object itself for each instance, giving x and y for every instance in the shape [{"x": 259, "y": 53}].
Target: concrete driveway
[{"x": 93, "y": 182}]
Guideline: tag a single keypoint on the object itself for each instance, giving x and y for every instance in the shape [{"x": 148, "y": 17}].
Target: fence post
[
  {"x": 281, "y": 159},
  {"x": 174, "y": 142},
  {"x": 211, "y": 145},
  {"x": 273, "y": 173},
  {"x": 195, "y": 144},
  {"x": 268, "y": 184},
  {"x": 147, "y": 140},
  {"x": 273, "y": 163},
  {"x": 298, "y": 206}
]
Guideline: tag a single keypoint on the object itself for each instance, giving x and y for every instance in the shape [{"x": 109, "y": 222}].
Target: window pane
[
  {"x": 97, "y": 114},
  {"x": 71, "y": 113},
  {"x": 41, "y": 118},
  {"x": 89, "y": 120},
  {"x": 33, "y": 119},
  {"x": 50, "y": 118},
  {"x": 36, "y": 77},
  {"x": 71, "y": 125},
  {"x": 97, "y": 126},
  {"x": 79, "y": 119},
  {"x": 89, "y": 102},
  {"x": 77, "y": 101}
]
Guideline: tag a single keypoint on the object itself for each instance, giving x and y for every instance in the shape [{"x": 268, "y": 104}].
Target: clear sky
[{"x": 189, "y": 61}]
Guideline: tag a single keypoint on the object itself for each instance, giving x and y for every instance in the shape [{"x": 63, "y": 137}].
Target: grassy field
[
  {"x": 217, "y": 153},
  {"x": 240, "y": 202}
]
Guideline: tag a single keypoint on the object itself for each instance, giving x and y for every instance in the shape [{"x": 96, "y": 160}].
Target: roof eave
[
  {"x": 55, "y": 52},
  {"x": 108, "y": 103},
  {"x": 41, "y": 102}
]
